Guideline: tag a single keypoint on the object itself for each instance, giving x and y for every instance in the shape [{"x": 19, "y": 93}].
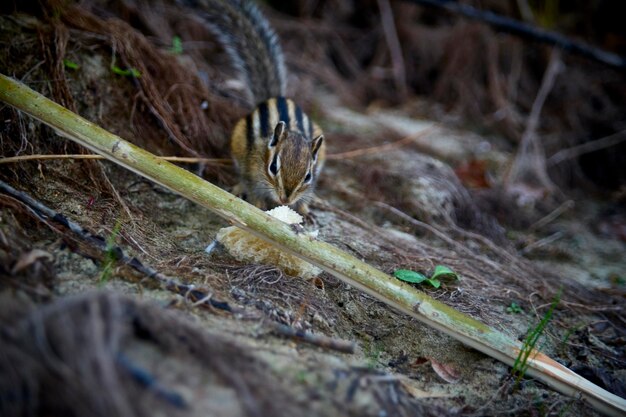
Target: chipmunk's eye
[
  {"x": 273, "y": 169},
  {"x": 307, "y": 178}
]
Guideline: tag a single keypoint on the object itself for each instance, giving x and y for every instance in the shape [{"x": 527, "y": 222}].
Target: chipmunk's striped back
[
  {"x": 261, "y": 122},
  {"x": 278, "y": 150},
  {"x": 249, "y": 41},
  {"x": 255, "y": 130}
]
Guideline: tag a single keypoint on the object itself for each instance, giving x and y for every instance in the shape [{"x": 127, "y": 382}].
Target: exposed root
[
  {"x": 282, "y": 298},
  {"x": 530, "y": 165},
  {"x": 63, "y": 355}
]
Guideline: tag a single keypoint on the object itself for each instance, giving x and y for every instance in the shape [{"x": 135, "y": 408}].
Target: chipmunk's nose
[{"x": 285, "y": 198}]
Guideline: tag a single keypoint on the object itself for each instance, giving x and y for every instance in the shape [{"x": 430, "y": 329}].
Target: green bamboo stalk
[{"x": 338, "y": 263}]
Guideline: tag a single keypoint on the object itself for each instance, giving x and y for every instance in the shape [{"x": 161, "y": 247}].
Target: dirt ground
[{"x": 84, "y": 334}]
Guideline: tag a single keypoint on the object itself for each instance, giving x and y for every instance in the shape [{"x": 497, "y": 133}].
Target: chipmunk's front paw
[
  {"x": 310, "y": 219},
  {"x": 297, "y": 228},
  {"x": 303, "y": 210}
]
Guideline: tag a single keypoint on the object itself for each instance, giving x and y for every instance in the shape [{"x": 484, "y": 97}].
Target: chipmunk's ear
[
  {"x": 316, "y": 144},
  {"x": 279, "y": 132}
]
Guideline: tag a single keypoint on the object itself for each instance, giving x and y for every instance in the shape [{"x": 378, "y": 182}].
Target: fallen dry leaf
[
  {"x": 29, "y": 258},
  {"x": 447, "y": 372},
  {"x": 473, "y": 174}
]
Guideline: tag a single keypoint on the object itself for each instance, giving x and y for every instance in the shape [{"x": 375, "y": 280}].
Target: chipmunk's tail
[{"x": 250, "y": 42}]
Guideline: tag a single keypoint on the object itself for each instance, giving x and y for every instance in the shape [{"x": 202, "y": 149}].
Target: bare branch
[{"x": 525, "y": 30}]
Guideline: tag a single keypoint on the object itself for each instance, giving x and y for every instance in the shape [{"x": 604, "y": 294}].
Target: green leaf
[
  {"x": 415, "y": 277},
  {"x": 409, "y": 276},
  {"x": 131, "y": 72},
  {"x": 443, "y": 272},
  {"x": 117, "y": 70},
  {"x": 514, "y": 309},
  {"x": 434, "y": 282},
  {"x": 177, "y": 46},
  {"x": 70, "y": 64}
]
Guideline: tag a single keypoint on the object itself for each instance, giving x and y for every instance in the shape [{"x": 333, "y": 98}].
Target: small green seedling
[
  {"x": 177, "y": 46},
  {"x": 130, "y": 72},
  {"x": 441, "y": 272},
  {"x": 70, "y": 64},
  {"x": 528, "y": 347},
  {"x": 617, "y": 280},
  {"x": 514, "y": 309},
  {"x": 373, "y": 355},
  {"x": 110, "y": 254}
]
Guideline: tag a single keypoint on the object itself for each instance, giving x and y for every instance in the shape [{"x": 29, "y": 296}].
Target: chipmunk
[{"x": 278, "y": 151}]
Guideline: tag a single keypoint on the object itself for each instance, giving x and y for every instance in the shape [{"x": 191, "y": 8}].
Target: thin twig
[
  {"x": 530, "y": 150},
  {"x": 339, "y": 345},
  {"x": 542, "y": 242},
  {"x": 441, "y": 235},
  {"x": 375, "y": 230},
  {"x": 395, "y": 49},
  {"x": 181, "y": 159},
  {"x": 503, "y": 387},
  {"x": 555, "y": 66},
  {"x": 553, "y": 215},
  {"x": 587, "y": 147},
  {"x": 117, "y": 195},
  {"x": 497, "y": 250},
  {"x": 381, "y": 148},
  {"x": 595, "y": 308}
]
